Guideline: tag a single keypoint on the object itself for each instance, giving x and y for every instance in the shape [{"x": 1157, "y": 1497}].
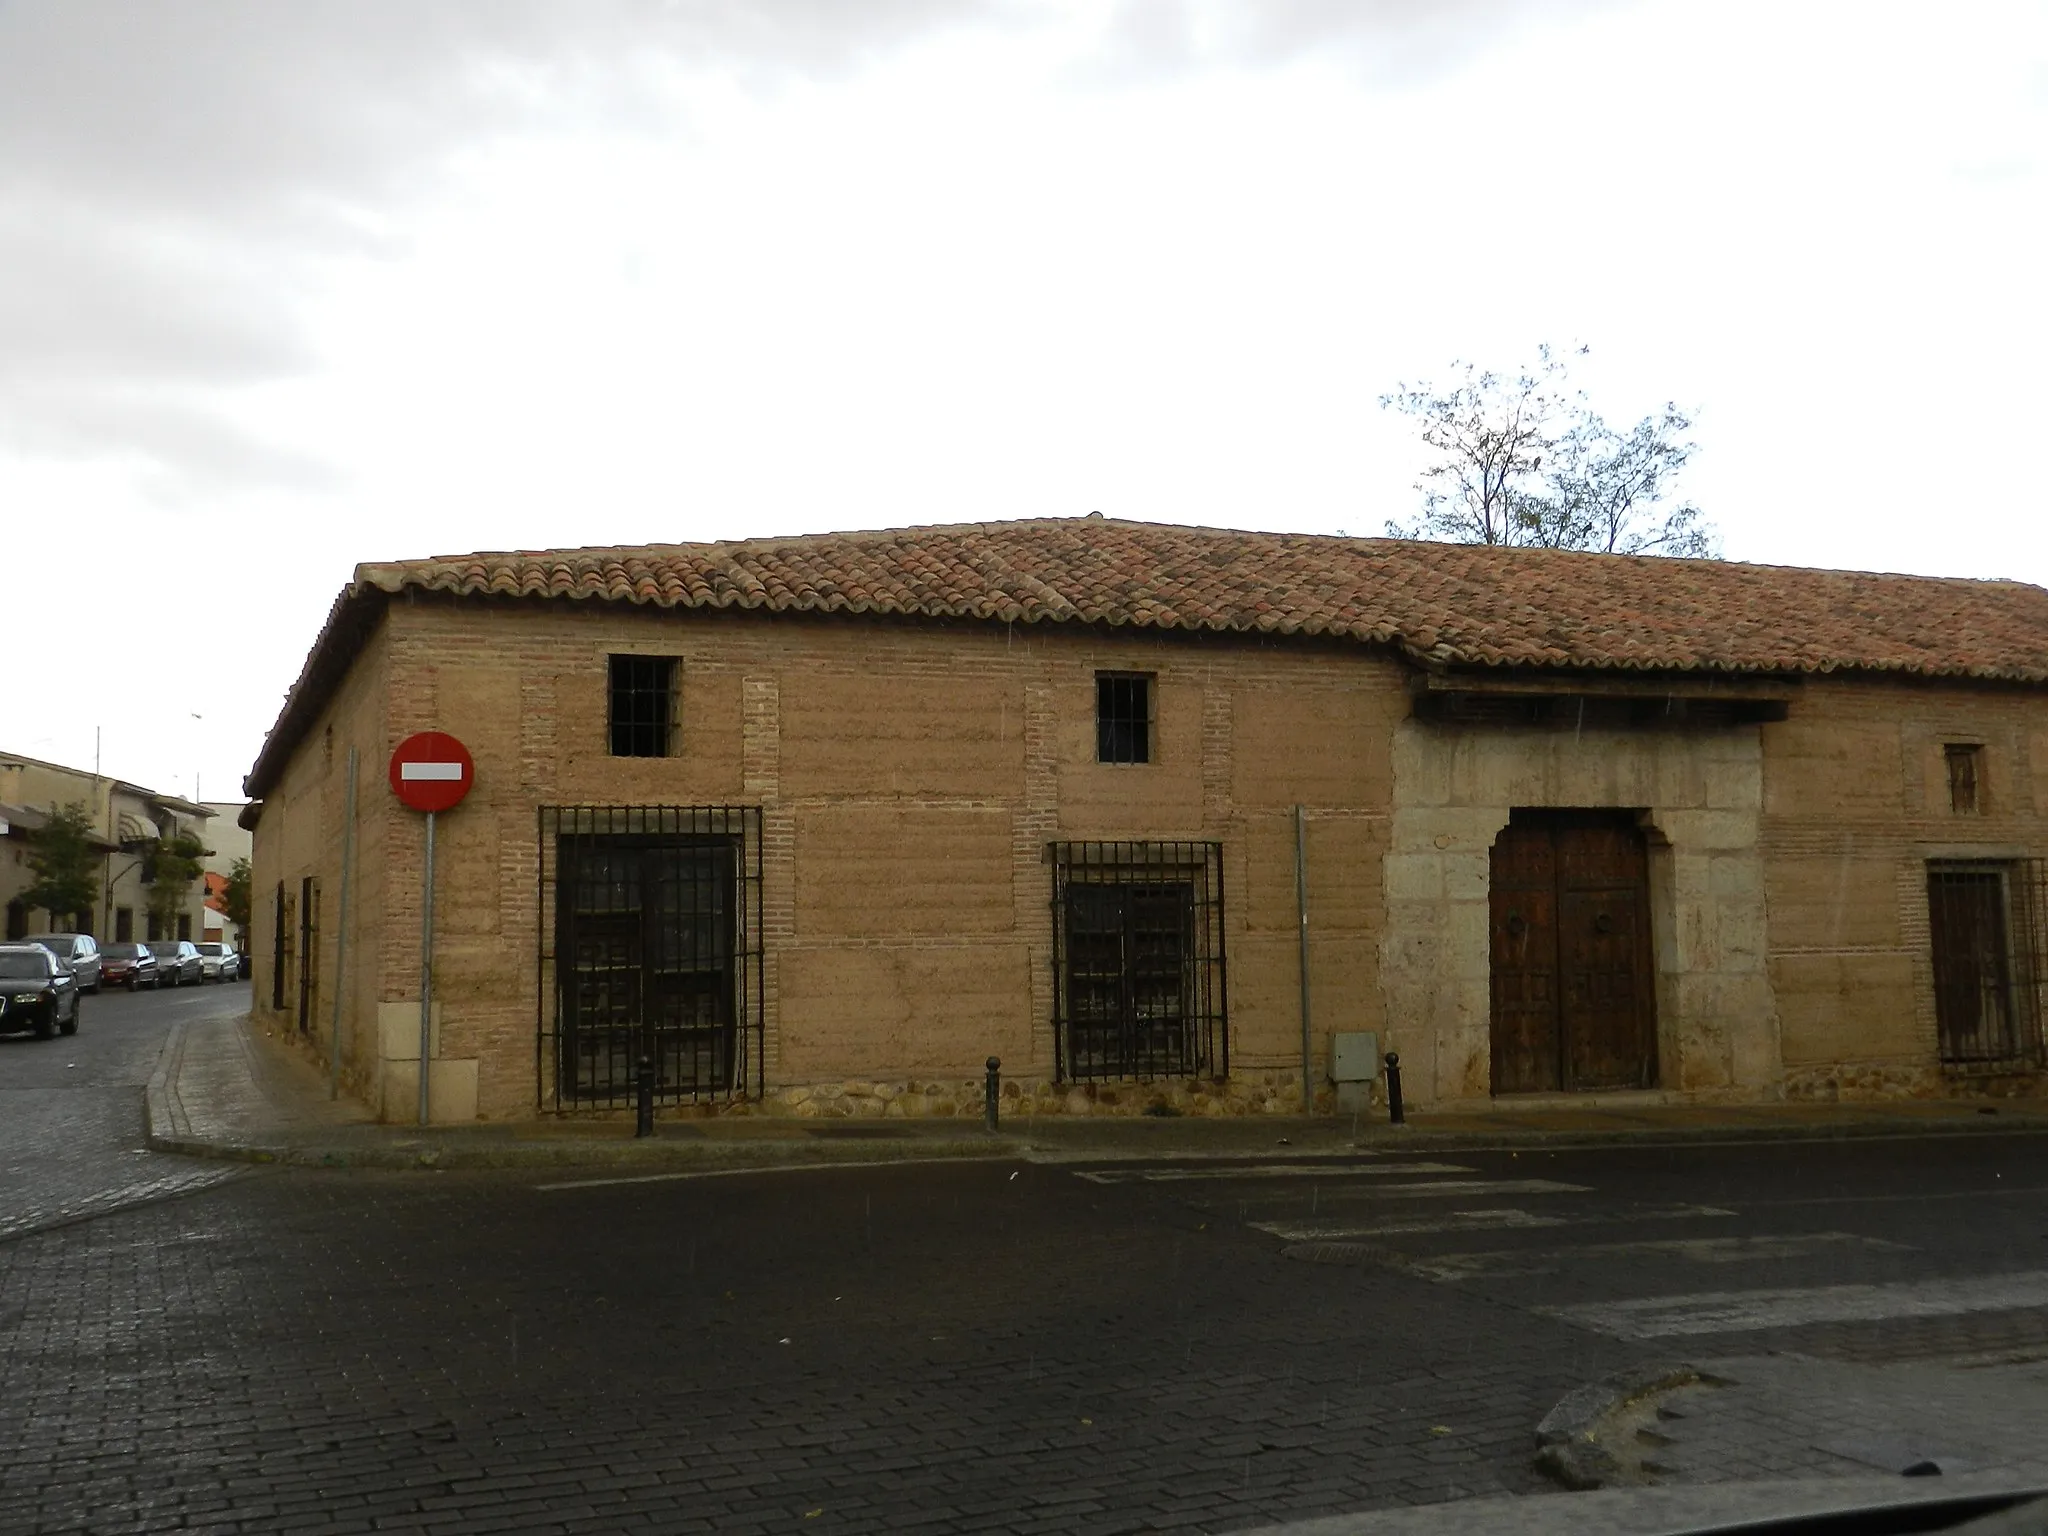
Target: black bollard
[
  {"x": 644, "y": 1125},
  {"x": 992, "y": 1093},
  {"x": 1394, "y": 1113}
]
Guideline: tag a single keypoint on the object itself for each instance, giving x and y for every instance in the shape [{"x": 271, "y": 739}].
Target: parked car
[
  {"x": 37, "y": 991},
  {"x": 234, "y": 965},
  {"x": 177, "y": 961},
  {"x": 79, "y": 951},
  {"x": 129, "y": 965},
  {"x": 214, "y": 962}
]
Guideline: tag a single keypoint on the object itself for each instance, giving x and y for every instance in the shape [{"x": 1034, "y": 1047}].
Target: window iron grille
[
  {"x": 649, "y": 938},
  {"x": 280, "y": 926},
  {"x": 1139, "y": 981},
  {"x": 1965, "y": 764},
  {"x": 1123, "y": 717},
  {"x": 643, "y": 706},
  {"x": 309, "y": 949},
  {"x": 1988, "y": 923}
]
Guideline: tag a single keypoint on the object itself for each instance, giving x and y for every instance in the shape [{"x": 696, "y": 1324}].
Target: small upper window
[
  {"x": 1965, "y": 778},
  {"x": 643, "y": 712},
  {"x": 1123, "y": 717}
]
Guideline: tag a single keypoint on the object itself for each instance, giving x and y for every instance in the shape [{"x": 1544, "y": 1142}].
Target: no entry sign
[{"x": 431, "y": 771}]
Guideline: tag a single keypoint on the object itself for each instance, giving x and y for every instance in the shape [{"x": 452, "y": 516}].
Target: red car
[{"x": 128, "y": 965}]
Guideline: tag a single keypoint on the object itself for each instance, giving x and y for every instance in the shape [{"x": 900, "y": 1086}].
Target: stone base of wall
[
  {"x": 1267, "y": 1093},
  {"x": 1869, "y": 1082},
  {"x": 1253, "y": 1094}
]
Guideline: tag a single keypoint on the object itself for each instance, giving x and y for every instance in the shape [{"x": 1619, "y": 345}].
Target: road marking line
[
  {"x": 1262, "y": 1171},
  {"x": 731, "y": 1173},
  {"x": 1471, "y": 1221},
  {"x": 1659, "y": 1317},
  {"x": 1697, "y": 1250},
  {"x": 1443, "y": 1189}
]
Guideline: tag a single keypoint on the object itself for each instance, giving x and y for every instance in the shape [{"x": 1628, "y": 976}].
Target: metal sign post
[
  {"x": 430, "y": 772},
  {"x": 427, "y": 970}
]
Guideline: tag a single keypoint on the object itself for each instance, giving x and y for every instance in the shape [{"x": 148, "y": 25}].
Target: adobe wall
[
  {"x": 1700, "y": 795},
  {"x": 300, "y": 834},
  {"x": 1856, "y": 803},
  {"x": 910, "y": 778}
]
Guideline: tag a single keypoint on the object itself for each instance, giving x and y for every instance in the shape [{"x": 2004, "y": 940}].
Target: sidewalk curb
[
  {"x": 1053, "y": 1141},
  {"x": 1411, "y": 1139},
  {"x": 168, "y": 1131},
  {"x": 1568, "y": 1443}
]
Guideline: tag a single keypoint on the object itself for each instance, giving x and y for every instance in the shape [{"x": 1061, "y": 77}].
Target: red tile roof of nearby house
[{"x": 1443, "y": 604}]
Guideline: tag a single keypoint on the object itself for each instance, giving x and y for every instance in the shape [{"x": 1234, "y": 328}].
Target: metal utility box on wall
[{"x": 1354, "y": 1063}]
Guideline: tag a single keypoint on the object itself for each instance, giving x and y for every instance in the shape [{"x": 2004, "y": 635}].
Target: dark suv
[{"x": 37, "y": 991}]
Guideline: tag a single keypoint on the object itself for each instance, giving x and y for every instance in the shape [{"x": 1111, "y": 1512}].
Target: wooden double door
[{"x": 1574, "y": 1001}]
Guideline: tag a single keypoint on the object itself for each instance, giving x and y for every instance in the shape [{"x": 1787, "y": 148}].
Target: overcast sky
[{"x": 285, "y": 287}]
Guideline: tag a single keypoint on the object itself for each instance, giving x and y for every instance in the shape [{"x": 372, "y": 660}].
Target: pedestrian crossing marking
[
  {"x": 1709, "y": 1312},
  {"x": 1697, "y": 1250},
  {"x": 1506, "y": 1218},
  {"x": 1262, "y": 1171}
]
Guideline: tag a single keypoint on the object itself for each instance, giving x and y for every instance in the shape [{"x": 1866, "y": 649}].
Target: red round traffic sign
[{"x": 431, "y": 771}]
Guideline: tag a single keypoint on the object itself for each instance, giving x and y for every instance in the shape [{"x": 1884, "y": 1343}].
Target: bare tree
[{"x": 1524, "y": 459}]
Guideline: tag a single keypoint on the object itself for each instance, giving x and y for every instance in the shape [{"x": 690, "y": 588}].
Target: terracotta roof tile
[
  {"x": 1448, "y": 603},
  {"x": 1454, "y": 603}
]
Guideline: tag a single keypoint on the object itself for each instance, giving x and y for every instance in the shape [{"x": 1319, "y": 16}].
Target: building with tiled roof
[
  {"x": 127, "y": 821},
  {"x": 1155, "y": 813}
]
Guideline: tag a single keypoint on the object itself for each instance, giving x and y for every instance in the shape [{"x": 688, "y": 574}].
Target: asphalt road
[{"x": 968, "y": 1347}]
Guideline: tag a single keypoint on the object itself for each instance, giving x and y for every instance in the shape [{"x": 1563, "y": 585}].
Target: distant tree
[
  {"x": 236, "y": 897},
  {"x": 65, "y": 865},
  {"x": 1524, "y": 459},
  {"x": 173, "y": 864}
]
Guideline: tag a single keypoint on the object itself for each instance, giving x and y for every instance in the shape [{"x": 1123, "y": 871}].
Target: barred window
[
  {"x": 1123, "y": 717},
  {"x": 651, "y": 946},
  {"x": 1965, "y": 777},
  {"x": 643, "y": 706},
  {"x": 1139, "y": 984},
  {"x": 1988, "y": 924}
]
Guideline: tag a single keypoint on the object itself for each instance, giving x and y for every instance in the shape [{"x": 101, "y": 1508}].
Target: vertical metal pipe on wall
[
  {"x": 1308, "y": 1098},
  {"x": 348, "y": 860}
]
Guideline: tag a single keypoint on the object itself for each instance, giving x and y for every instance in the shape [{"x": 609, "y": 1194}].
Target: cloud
[
  {"x": 180, "y": 179},
  {"x": 177, "y": 175},
  {"x": 1386, "y": 42}
]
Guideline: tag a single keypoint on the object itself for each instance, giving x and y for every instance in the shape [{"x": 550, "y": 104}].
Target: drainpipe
[
  {"x": 348, "y": 860},
  {"x": 1308, "y": 1099}
]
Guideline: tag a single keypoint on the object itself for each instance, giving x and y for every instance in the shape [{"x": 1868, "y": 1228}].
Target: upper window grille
[
  {"x": 1988, "y": 924},
  {"x": 1123, "y": 717},
  {"x": 643, "y": 706},
  {"x": 1138, "y": 967},
  {"x": 650, "y": 945},
  {"x": 1965, "y": 778}
]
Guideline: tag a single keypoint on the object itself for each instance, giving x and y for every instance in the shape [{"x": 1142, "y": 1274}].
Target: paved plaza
[{"x": 1050, "y": 1339}]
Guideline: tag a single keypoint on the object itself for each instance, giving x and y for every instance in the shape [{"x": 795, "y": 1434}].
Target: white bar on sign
[{"x": 444, "y": 771}]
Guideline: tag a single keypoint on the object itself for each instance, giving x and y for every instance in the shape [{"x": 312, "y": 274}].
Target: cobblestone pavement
[
  {"x": 989, "y": 1346},
  {"x": 1851, "y": 1308},
  {"x": 71, "y": 1109}
]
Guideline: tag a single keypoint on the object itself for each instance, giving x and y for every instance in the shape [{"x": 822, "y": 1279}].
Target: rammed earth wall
[{"x": 910, "y": 775}]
